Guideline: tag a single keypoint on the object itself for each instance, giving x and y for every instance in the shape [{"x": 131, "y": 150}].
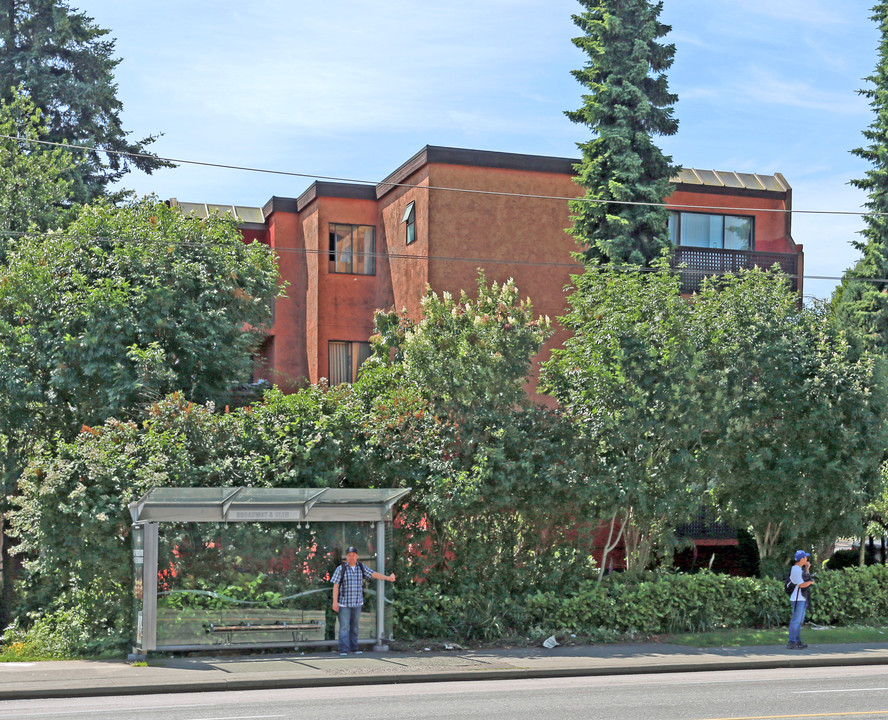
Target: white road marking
[{"x": 815, "y": 692}]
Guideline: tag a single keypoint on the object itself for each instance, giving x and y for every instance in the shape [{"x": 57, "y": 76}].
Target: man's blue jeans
[
  {"x": 349, "y": 620},
  {"x": 795, "y": 624}
]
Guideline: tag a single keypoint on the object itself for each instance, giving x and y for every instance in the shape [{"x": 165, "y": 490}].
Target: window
[
  {"x": 345, "y": 358},
  {"x": 729, "y": 232},
  {"x": 409, "y": 221},
  {"x": 352, "y": 249}
]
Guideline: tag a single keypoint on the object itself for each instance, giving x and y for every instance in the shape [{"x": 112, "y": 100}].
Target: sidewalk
[{"x": 84, "y": 678}]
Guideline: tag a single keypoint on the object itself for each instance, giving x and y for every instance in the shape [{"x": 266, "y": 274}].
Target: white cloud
[{"x": 763, "y": 86}]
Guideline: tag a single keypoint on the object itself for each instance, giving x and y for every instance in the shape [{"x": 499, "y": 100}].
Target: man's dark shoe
[{"x": 790, "y": 646}]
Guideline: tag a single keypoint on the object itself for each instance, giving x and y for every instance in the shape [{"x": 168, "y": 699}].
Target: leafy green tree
[
  {"x": 34, "y": 189},
  {"x": 496, "y": 479},
  {"x": 65, "y": 63},
  {"x": 798, "y": 419},
  {"x": 473, "y": 353},
  {"x": 128, "y": 305},
  {"x": 742, "y": 398},
  {"x": 626, "y": 102},
  {"x": 629, "y": 376}
]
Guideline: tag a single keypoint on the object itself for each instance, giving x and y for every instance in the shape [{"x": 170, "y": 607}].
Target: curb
[{"x": 282, "y": 683}]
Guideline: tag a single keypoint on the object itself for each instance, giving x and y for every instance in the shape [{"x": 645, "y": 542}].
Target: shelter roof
[{"x": 246, "y": 504}]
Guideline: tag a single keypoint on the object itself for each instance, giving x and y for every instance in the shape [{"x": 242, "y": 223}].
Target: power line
[
  {"x": 528, "y": 196},
  {"x": 578, "y": 266}
]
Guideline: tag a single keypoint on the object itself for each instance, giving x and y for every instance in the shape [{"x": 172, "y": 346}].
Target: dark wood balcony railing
[{"x": 704, "y": 262}]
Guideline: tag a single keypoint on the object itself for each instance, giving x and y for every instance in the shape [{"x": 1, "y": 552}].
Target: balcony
[{"x": 703, "y": 262}]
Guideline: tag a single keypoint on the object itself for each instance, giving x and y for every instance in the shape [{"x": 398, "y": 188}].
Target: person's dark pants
[{"x": 349, "y": 620}]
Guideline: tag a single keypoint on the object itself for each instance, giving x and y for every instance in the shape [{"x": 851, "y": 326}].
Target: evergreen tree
[
  {"x": 65, "y": 63},
  {"x": 861, "y": 304},
  {"x": 626, "y": 102}
]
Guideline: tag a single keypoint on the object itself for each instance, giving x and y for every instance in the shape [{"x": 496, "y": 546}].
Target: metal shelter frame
[{"x": 244, "y": 504}]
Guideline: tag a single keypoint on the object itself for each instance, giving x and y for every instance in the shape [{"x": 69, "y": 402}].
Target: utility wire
[
  {"x": 442, "y": 258},
  {"x": 528, "y": 196},
  {"x": 578, "y": 266}
]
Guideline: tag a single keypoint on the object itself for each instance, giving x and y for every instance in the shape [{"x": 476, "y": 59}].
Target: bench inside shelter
[{"x": 297, "y": 630}]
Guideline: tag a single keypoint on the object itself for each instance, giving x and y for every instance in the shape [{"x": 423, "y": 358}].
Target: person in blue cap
[
  {"x": 348, "y": 597},
  {"x": 799, "y": 598}
]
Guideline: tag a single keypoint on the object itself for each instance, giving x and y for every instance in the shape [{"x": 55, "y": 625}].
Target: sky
[{"x": 352, "y": 89}]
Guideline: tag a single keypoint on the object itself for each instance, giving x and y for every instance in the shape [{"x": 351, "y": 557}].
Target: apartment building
[{"x": 347, "y": 249}]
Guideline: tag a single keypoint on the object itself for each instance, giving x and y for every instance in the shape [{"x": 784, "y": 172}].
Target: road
[{"x": 815, "y": 693}]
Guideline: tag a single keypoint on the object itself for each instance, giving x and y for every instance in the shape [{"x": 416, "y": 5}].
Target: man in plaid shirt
[{"x": 348, "y": 597}]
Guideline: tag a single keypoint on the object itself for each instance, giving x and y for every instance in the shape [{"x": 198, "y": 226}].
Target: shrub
[
  {"x": 84, "y": 623},
  {"x": 621, "y": 605},
  {"x": 849, "y": 558},
  {"x": 849, "y": 596}
]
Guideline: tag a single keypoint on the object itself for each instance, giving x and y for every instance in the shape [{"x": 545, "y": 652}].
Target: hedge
[
  {"x": 658, "y": 603},
  {"x": 610, "y": 610}
]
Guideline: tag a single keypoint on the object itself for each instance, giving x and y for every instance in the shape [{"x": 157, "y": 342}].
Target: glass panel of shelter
[{"x": 262, "y": 584}]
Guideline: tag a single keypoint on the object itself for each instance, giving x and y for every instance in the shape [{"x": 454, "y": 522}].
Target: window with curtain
[
  {"x": 352, "y": 249},
  {"x": 728, "y": 232},
  {"x": 345, "y": 359}
]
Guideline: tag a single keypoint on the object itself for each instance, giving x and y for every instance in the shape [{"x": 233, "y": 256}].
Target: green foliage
[
  {"x": 128, "y": 305},
  {"x": 469, "y": 355},
  {"x": 797, "y": 419},
  {"x": 626, "y": 101},
  {"x": 71, "y": 515},
  {"x": 83, "y": 621},
  {"x": 65, "y": 63},
  {"x": 423, "y": 611},
  {"x": 34, "y": 190},
  {"x": 742, "y": 395},
  {"x": 501, "y": 488},
  {"x": 613, "y": 608},
  {"x": 846, "y": 597},
  {"x": 860, "y": 302},
  {"x": 849, "y": 558},
  {"x": 655, "y": 604},
  {"x": 629, "y": 376},
  {"x": 496, "y": 481}
]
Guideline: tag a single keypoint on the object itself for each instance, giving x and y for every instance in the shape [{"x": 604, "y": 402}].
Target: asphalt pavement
[{"x": 163, "y": 674}]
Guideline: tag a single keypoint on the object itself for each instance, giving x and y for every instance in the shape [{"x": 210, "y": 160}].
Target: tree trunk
[
  {"x": 611, "y": 543},
  {"x": 766, "y": 540}
]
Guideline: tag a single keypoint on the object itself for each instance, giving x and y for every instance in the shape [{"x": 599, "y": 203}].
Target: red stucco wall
[{"x": 290, "y": 357}]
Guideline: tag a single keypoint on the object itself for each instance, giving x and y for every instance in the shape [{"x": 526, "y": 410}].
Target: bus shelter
[{"x": 250, "y": 567}]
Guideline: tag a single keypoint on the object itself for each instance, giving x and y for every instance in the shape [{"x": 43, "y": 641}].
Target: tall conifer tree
[
  {"x": 861, "y": 301},
  {"x": 627, "y": 101},
  {"x": 65, "y": 63}
]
